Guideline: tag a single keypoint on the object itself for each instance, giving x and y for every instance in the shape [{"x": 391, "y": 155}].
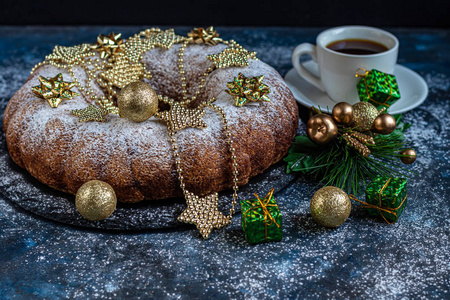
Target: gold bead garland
[
  {"x": 112, "y": 75},
  {"x": 121, "y": 65},
  {"x": 205, "y": 215},
  {"x": 183, "y": 77}
]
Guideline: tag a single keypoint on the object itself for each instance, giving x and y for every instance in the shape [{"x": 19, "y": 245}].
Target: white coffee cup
[{"x": 337, "y": 70}]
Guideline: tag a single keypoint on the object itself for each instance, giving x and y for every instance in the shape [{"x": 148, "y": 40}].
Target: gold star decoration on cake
[
  {"x": 205, "y": 36},
  {"x": 134, "y": 47},
  {"x": 180, "y": 117},
  {"x": 163, "y": 38},
  {"x": 123, "y": 72},
  {"x": 54, "y": 90},
  {"x": 203, "y": 213},
  {"x": 90, "y": 113},
  {"x": 70, "y": 55},
  {"x": 108, "y": 45},
  {"x": 248, "y": 89},
  {"x": 231, "y": 57}
]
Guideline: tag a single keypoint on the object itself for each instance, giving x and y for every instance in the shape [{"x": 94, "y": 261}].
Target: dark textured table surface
[{"x": 364, "y": 258}]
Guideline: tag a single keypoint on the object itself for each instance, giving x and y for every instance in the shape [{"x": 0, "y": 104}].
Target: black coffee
[{"x": 357, "y": 46}]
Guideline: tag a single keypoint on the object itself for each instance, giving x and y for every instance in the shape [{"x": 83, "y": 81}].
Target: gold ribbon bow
[
  {"x": 358, "y": 74},
  {"x": 389, "y": 210},
  {"x": 264, "y": 203}
]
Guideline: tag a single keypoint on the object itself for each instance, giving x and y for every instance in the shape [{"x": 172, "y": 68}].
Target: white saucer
[{"x": 413, "y": 90}]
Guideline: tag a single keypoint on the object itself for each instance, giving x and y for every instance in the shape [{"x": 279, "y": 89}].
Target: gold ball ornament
[
  {"x": 137, "y": 101},
  {"x": 364, "y": 114},
  {"x": 343, "y": 113},
  {"x": 384, "y": 124},
  {"x": 321, "y": 129},
  {"x": 96, "y": 200},
  {"x": 412, "y": 155},
  {"x": 330, "y": 206}
]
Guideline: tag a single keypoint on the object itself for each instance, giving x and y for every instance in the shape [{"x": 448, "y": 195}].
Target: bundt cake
[{"x": 136, "y": 159}]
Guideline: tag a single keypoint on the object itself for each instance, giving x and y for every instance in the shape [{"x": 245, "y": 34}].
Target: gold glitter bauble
[
  {"x": 96, "y": 200},
  {"x": 364, "y": 114},
  {"x": 412, "y": 155},
  {"x": 330, "y": 206},
  {"x": 384, "y": 124},
  {"x": 137, "y": 101},
  {"x": 343, "y": 113},
  {"x": 321, "y": 129}
]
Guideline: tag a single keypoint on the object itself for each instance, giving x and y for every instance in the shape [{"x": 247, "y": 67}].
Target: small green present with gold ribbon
[
  {"x": 385, "y": 196},
  {"x": 261, "y": 219},
  {"x": 378, "y": 88}
]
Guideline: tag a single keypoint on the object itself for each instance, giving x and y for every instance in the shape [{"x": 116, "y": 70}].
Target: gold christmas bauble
[
  {"x": 364, "y": 114},
  {"x": 137, "y": 101},
  {"x": 96, "y": 200},
  {"x": 321, "y": 129},
  {"x": 384, "y": 124},
  {"x": 330, "y": 206},
  {"x": 412, "y": 155},
  {"x": 343, "y": 113}
]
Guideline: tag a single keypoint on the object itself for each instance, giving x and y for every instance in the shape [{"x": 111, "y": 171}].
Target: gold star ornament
[
  {"x": 90, "y": 113},
  {"x": 248, "y": 89},
  {"x": 124, "y": 72},
  {"x": 234, "y": 56},
  {"x": 54, "y": 90},
  {"x": 163, "y": 38},
  {"x": 108, "y": 45},
  {"x": 203, "y": 213},
  {"x": 180, "y": 117},
  {"x": 70, "y": 55},
  {"x": 205, "y": 36}
]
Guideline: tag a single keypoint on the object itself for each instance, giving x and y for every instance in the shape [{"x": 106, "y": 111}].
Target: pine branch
[{"x": 341, "y": 164}]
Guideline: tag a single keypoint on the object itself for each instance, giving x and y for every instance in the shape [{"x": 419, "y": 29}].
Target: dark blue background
[{"x": 364, "y": 258}]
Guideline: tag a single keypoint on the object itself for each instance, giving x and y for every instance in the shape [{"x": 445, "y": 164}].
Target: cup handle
[{"x": 310, "y": 49}]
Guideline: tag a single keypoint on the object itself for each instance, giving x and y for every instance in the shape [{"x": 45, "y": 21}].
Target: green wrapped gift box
[
  {"x": 261, "y": 219},
  {"x": 386, "y": 196},
  {"x": 378, "y": 88}
]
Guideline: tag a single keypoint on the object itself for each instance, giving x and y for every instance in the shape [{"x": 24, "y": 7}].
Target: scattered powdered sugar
[
  {"x": 437, "y": 81},
  {"x": 363, "y": 258}
]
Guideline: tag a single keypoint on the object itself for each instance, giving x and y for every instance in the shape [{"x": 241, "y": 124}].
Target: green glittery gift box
[
  {"x": 386, "y": 196},
  {"x": 378, "y": 88},
  {"x": 261, "y": 219}
]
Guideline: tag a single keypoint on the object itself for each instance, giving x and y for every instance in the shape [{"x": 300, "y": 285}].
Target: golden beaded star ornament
[{"x": 115, "y": 66}]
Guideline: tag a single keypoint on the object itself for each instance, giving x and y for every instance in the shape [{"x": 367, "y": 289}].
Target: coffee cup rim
[{"x": 393, "y": 49}]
